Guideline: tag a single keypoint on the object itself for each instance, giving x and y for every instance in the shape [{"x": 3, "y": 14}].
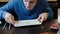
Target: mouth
[{"x": 28, "y": 8}]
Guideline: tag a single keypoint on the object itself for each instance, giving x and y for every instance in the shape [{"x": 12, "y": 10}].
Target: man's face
[{"x": 29, "y": 4}]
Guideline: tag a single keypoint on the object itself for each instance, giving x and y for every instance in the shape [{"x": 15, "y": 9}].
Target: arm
[
  {"x": 5, "y": 8},
  {"x": 47, "y": 12},
  {"x": 48, "y": 9}
]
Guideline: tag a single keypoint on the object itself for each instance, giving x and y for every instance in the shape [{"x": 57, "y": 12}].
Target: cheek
[{"x": 25, "y": 3}]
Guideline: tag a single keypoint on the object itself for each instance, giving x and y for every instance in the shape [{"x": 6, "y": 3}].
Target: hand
[
  {"x": 9, "y": 18},
  {"x": 42, "y": 17}
]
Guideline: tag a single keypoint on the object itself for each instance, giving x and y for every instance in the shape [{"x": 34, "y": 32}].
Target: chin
[{"x": 28, "y": 9}]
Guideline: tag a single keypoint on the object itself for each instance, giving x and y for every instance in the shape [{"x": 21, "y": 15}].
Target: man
[{"x": 26, "y": 9}]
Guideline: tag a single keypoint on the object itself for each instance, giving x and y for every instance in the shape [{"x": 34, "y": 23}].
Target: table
[{"x": 28, "y": 29}]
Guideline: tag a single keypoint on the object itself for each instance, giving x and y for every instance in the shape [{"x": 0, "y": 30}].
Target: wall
[
  {"x": 8, "y": 0},
  {"x": 58, "y": 11}
]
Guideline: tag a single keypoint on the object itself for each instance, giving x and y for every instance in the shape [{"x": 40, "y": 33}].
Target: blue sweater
[{"x": 22, "y": 13}]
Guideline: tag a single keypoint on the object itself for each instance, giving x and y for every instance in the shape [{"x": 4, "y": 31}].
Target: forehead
[{"x": 29, "y": 0}]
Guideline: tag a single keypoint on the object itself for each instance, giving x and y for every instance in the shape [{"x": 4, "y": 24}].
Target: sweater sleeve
[
  {"x": 4, "y": 9},
  {"x": 48, "y": 9}
]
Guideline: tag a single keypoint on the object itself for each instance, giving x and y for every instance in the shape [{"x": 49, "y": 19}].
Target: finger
[
  {"x": 41, "y": 19},
  {"x": 12, "y": 20},
  {"x": 7, "y": 20}
]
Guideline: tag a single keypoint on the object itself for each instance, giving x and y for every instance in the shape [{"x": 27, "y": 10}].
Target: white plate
[
  {"x": 0, "y": 22},
  {"x": 59, "y": 19},
  {"x": 26, "y": 23}
]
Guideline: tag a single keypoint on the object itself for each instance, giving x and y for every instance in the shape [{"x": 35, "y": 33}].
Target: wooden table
[{"x": 29, "y": 29}]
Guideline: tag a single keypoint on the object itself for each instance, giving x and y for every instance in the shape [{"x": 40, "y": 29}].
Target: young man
[{"x": 26, "y": 9}]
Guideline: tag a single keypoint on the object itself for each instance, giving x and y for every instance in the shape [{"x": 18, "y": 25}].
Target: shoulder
[
  {"x": 42, "y": 1},
  {"x": 14, "y": 1}
]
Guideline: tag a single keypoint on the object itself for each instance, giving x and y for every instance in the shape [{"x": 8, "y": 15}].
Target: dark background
[{"x": 58, "y": 3}]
